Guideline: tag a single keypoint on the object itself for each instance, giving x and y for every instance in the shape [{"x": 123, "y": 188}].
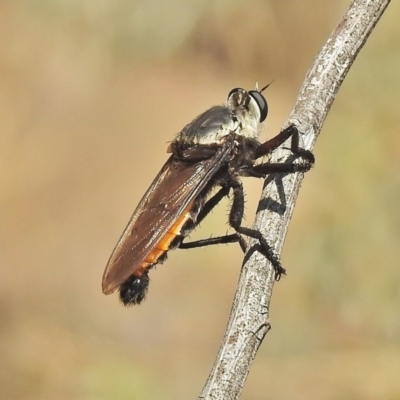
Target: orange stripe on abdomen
[{"x": 164, "y": 244}]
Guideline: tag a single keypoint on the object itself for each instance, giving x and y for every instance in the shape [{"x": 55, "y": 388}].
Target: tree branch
[{"x": 249, "y": 319}]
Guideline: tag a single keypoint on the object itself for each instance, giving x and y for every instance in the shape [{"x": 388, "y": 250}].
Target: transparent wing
[{"x": 172, "y": 192}]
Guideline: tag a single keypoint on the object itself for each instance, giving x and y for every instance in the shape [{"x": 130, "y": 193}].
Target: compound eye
[
  {"x": 261, "y": 103},
  {"x": 233, "y": 91}
]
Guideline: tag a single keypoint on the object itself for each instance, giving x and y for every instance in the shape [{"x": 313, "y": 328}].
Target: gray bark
[{"x": 249, "y": 319}]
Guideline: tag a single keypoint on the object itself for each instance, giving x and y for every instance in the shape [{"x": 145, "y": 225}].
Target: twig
[{"x": 249, "y": 319}]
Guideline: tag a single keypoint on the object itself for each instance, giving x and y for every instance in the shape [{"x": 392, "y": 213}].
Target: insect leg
[
  {"x": 233, "y": 238},
  {"x": 211, "y": 203},
  {"x": 261, "y": 170},
  {"x": 276, "y": 141},
  {"x": 235, "y": 220},
  {"x": 297, "y": 150}
]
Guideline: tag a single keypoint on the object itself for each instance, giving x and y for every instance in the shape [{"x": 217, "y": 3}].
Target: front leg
[
  {"x": 270, "y": 145},
  {"x": 308, "y": 159},
  {"x": 290, "y": 132},
  {"x": 307, "y": 155}
]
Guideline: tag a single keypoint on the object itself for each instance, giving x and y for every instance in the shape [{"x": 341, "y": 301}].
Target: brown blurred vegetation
[{"x": 90, "y": 94}]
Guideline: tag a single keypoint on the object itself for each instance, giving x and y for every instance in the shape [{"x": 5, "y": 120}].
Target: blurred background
[{"x": 91, "y": 92}]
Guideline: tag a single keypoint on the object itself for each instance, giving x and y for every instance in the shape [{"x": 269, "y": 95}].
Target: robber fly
[{"x": 214, "y": 151}]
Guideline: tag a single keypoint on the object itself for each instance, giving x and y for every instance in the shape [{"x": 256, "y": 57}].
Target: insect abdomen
[{"x": 134, "y": 289}]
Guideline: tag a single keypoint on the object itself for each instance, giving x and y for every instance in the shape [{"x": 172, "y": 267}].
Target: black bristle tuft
[{"x": 134, "y": 289}]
